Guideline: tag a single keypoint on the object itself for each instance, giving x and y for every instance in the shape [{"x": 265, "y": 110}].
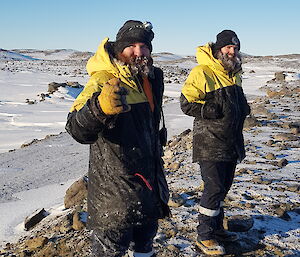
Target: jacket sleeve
[
  {"x": 193, "y": 93},
  {"x": 246, "y": 106},
  {"x": 191, "y": 109},
  {"x": 86, "y": 118}
]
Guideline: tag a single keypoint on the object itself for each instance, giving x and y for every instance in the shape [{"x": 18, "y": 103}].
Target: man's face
[
  {"x": 230, "y": 50},
  {"x": 138, "y": 57},
  {"x": 134, "y": 51},
  {"x": 230, "y": 57}
]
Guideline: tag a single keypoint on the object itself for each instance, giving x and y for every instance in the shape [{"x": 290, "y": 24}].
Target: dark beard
[
  {"x": 139, "y": 65},
  {"x": 230, "y": 64}
]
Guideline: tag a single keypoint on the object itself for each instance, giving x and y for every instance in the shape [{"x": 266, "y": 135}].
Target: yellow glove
[{"x": 112, "y": 98}]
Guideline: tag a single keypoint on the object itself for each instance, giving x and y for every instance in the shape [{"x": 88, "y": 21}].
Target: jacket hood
[
  {"x": 102, "y": 61},
  {"x": 205, "y": 56}
]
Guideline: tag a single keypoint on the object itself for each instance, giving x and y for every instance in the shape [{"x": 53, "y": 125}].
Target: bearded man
[
  {"x": 118, "y": 113},
  {"x": 213, "y": 95}
]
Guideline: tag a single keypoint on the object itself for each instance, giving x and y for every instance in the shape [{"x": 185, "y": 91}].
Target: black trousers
[
  {"x": 116, "y": 243},
  {"x": 217, "y": 178}
]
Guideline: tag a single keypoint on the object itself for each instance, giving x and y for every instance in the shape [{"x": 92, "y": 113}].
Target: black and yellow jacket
[
  {"x": 126, "y": 179},
  {"x": 210, "y": 88}
]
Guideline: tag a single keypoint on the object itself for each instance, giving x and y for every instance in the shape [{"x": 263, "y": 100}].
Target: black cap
[
  {"x": 134, "y": 32},
  {"x": 227, "y": 37}
]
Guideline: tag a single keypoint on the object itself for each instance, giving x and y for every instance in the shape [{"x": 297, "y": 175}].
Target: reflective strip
[
  {"x": 209, "y": 212},
  {"x": 136, "y": 254}
]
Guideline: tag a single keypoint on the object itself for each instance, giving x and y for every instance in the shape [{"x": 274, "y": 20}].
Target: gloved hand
[
  {"x": 112, "y": 98},
  {"x": 211, "y": 111}
]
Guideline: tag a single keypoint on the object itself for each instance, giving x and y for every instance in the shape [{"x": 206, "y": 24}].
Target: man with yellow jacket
[
  {"x": 118, "y": 114},
  {"x": 213, "y": 94}
]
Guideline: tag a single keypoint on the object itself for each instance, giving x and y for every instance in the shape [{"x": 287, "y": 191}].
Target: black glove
[{"x": 211, "y": 111}]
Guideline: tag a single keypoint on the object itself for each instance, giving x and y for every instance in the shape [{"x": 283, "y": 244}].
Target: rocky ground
[
  {"x": 74, "y": 67},
  {"x": 263, "y": 205}
]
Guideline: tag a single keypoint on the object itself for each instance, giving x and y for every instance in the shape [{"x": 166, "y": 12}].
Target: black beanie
[
  {"x": 227, "y": 37},
  {"x": 133, "y": 32}
]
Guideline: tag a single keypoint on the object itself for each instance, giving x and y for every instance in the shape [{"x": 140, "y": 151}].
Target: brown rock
[
  {"x": 172, "y": 248},
  {"x": 77, "y": 222},
  {"x": 280, "y": 76},
  {"x": 250, "y": 122},
  {"x": 270, "y": 143},
  {"x": 171, "y": 232},
  {"x": 74, "y": 84},
  {"x": 282, "y": 213},
  {"x": 295, "y": 130},
  {"x": 53, "y": 86},
  {"x": 272, "y": 116},
  {"x": 174, "y": 142},
  {"x": 259, "y": 109},
  {"x": 201, "y": 186},
  {"x": 270, "y": 156},
  {"x": 250, "y": 205},
  {"x": 35, "y": 243},
  {"x": 295, "y": 127},
  {"x": 174, "y": 166},
  {"x": 76, "y": 193},
  {"x": 286, "y": 137},
  {"x": 176, "y": 200}
]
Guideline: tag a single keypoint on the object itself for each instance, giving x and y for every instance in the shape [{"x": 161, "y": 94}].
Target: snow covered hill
[
  {"x": 11, "y": 55},
  {"x": 35, "y": 54}
]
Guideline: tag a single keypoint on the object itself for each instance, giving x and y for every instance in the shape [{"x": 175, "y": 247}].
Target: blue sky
[{"x": 265, "y": 27}]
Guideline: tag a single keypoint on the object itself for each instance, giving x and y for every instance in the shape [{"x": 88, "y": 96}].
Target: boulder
[
  {"x": 53, "y": 86},
  {"x": 36, "y": 243},
  {"x": 295, "y": 127},
  {"x": 270, "y": 156},
  {"x": 238, "y": 223},
  {"x": 78, "y": 223},
  {"x": 280, "y": 76},
  {"x": 76, "y": 194},
  {"x": 250, "y": 122},
  {"x": 35, "y": 218},
  {"x": 174, "y": 166},
  {"x": 259, "y": 110},
  {"x": 176, "y": 200},
  {"x": 74, "y": 84},
  {"x": 281, "y": 163},
  {"x": 286, "y": 137}
]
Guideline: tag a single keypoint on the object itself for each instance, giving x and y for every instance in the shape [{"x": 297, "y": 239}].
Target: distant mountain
[
  {"x": 164, "y": 56},
  {"x": 35, "y": 54},
  {"x": 12, "y": 55},
  {"x": 55, "y": 54},
  {"x": 169, "y": 58}
]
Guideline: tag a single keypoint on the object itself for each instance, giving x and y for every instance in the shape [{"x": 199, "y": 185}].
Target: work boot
[
  {"x": 210, "y": 247},
  {"x": 225, "y": 236}
]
